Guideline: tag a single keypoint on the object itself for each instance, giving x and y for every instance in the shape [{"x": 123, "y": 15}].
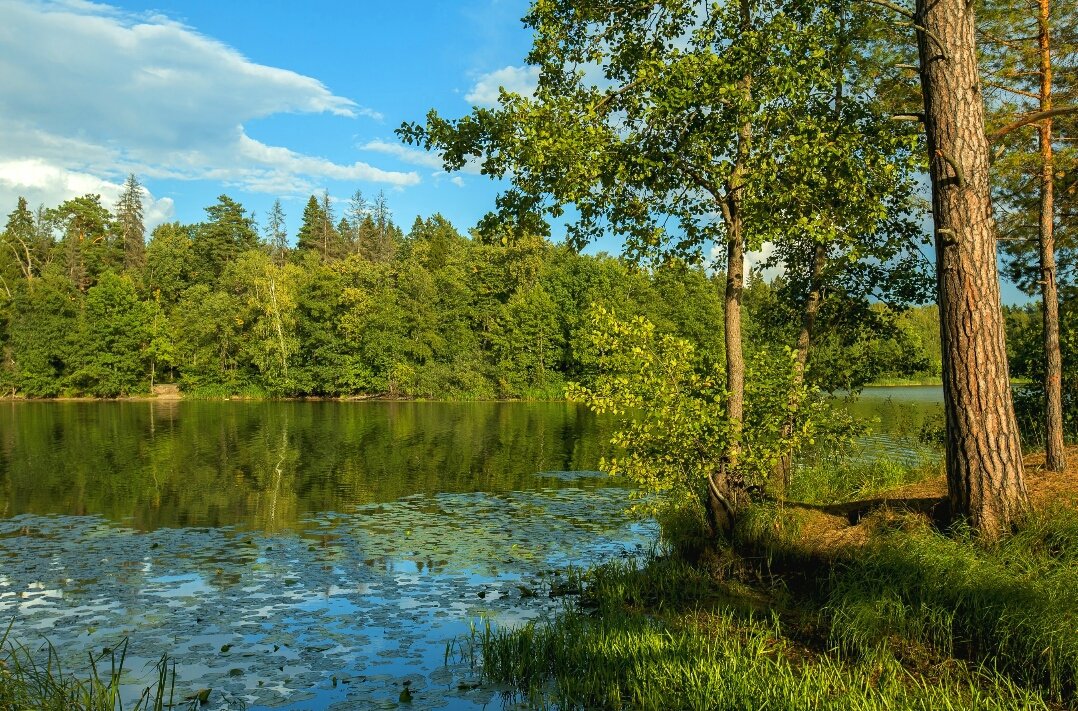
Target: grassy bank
[{"x": 843, "y": 604}]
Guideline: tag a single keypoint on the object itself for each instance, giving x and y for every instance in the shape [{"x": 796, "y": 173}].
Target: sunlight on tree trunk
[{"x": 984, "y": 460}]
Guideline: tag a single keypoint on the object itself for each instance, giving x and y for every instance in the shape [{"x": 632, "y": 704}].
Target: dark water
[
  {"x": 312, "y": 555},
  {"x": 896, "y": 417}
]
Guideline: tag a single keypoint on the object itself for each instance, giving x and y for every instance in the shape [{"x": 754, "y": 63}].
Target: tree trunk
[
  {"x": 804, "y": 343},
  {"x": 1053, "y": 365},
  {"x": 985, "y": 478},
  {"x": 726, "y": 485}
]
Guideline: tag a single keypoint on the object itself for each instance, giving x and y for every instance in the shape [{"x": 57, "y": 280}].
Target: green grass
[
  {"x": 1012, "y": 606},
  {"x": 29, "y": 682},
  {"x": 834, "y": 479},
  {"x": 670, "y": 637},
  {"x": 914, "y": 618}
]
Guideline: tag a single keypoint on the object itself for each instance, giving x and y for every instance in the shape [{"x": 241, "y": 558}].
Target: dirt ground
[{"x": 827, "y": 531}]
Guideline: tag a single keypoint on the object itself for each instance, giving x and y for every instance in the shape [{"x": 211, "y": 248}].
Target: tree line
[{"x": 356, "y": 306}]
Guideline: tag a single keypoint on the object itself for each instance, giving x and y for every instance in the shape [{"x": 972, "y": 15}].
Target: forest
[{"x": 357, "y": 307}]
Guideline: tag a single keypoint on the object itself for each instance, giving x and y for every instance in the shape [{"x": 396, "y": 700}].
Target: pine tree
[
  {"x": 276, "y": 234},
  {"x": 1027, "y": 47},
  {"x": 228, "y": 232},
  {"x": 88, "y": 248},
  {"x": 129, "y": 225},
  {"x": 985, "y": 474}
]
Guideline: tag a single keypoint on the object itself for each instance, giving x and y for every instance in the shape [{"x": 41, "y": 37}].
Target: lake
[{"x": 310, "y": 555}]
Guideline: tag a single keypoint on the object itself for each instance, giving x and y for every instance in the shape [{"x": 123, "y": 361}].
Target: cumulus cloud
[
  {"x": 518, "y": 80},
  {"x": 90, "y": 90},
  {"x": 42, "y": 183}
]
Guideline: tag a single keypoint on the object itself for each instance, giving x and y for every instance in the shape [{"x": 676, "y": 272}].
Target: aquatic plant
[{"x": 27, "y": 682}]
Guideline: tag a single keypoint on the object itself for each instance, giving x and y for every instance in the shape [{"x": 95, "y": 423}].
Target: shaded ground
[{"x": 829, "y": 530}]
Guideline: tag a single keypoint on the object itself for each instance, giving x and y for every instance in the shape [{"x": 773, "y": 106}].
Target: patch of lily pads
[{"x": 355, "y": 611}]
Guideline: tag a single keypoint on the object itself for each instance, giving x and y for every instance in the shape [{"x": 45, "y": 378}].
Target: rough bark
[
  {"x": 985, "y": 477},
  {"x": 1053, "y": 371}
]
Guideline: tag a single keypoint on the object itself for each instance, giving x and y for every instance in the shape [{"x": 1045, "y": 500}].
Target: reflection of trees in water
[{"x": 266, "y": 465}]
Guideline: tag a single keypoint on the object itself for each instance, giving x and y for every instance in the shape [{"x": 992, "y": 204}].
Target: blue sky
[
  {"x": 257, "y": 99},
  {"x": 260, "y": 100}
]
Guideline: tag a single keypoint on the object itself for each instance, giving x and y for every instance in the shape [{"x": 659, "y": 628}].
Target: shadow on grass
[{"x": 909, "y": 619}]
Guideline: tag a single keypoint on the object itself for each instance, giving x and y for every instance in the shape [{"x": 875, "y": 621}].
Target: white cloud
[
  {"x": 457, "y": 180},
  {"x": 419, "y": 157},
  {"x": 44, "y": 184},
  {"x": 518, "y": 80},
  {"x": 412, "y": 156},
  {"x": 90, "y": 90}
]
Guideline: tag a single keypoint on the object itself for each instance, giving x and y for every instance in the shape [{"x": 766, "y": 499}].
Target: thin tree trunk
[
  {"x": 724, "y": 487},
  {"x": 985, "y": 477},
  {"x": 804, "y": 344},
  {"x": 277, "y": 324},
  {"x": 1055, "y": 459}
]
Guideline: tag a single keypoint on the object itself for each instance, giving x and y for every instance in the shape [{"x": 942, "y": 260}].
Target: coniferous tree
[
  {"x": 308, "y": 237},
  {"x": 276, "y": 234},
  {"x": 88, "y": 246},
  {"x": 129, "y": 225},
  {"x": 985, "y": 474},
  {"x": 356, "y": 214},
  {"x": 19, "y": 240},
  {"x": 228, "y": 232},
  {"x": 1030, "y": 57}
]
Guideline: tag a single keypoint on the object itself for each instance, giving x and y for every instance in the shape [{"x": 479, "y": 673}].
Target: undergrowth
[
  {"x": 913, "y": 618},
  {"x": 668, "y": 636},
  {"x": 913, "y": 591}
]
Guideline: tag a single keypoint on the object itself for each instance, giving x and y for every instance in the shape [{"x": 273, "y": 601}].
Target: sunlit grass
[
  {"x": 29, "y": 682},
  {"x": 699, "y": 651},
  {"x": 1012, "y": 606}
]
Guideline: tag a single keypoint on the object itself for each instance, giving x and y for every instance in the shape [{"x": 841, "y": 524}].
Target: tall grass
[
  {"x": 1012, "y": 606},
  {"x": 27, "y": 682},
  {"x": 716, "y": 653},
  {"x": 837, "y": 477}
]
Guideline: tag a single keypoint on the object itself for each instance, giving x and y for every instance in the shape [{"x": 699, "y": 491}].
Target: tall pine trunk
[
  {"x": 985, "y": 478},
  {"x": 1053, "y": 363}
]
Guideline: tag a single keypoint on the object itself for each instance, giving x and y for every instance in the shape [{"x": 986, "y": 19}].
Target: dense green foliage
[{"x": 359, "y": 308}]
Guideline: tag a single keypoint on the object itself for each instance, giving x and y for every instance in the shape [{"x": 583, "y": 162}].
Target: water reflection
[
  {"x": 265, "y": 465},
  {"x": 301, "y": 555},
  {"x": 344, "y": 612}
]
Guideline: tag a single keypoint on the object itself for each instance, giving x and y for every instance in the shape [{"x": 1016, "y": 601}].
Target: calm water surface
[{"x": 312, "y": 555}]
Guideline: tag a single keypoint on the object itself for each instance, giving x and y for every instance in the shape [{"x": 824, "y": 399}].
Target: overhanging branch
[{"x": 1030, "y": 118}]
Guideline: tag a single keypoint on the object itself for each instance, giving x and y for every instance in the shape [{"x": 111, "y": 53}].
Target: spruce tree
[{"x": 129, "y": 227}]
